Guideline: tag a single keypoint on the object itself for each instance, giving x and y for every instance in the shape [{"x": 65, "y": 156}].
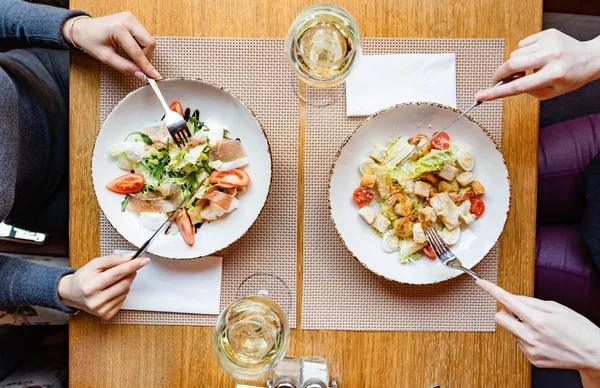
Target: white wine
[
  {"x": 323, "y": 44},
  {"x": 251, "y": 337}
]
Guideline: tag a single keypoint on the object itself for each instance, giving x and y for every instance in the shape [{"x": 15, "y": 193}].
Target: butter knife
[{"x": 187, "y": 199}]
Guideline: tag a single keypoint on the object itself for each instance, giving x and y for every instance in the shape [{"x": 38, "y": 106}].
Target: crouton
[
  {"x": 368, "y": 180},
  {"x": 378, "y": 153},
  {"x": 422, "y": 189},
  {"x": 448, "y": 187},
  {"x": 477, "y": 187},
  {"x": 464, "y": 178},
  {"x": 429, "y": 177},
  {"x": 427, "y": 216},
  {"x": 448, "y": 172},
  {"x": 419, "y": 233},
  {"x": 381, "y": 223},
  {"x": 409, "y": 187},
  {"x": 367, "y": 214}
]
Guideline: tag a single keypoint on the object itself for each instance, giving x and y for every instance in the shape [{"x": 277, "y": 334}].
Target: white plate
[
  {"x": 404, "y": 119},
  {"x": 141, "y": 108}
]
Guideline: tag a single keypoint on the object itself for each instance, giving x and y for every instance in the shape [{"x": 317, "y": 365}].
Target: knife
[
  {"x": 475, "y": 104},
  {"x": 187, "y": 199}
]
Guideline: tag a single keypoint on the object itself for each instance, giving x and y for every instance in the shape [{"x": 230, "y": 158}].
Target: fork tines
[
  {"x": 436, "y": 242},
  {"x": 181, "y": 135}
]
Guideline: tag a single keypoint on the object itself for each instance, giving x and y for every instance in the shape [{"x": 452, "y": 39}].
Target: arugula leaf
[
  {"x": 197, "y": 124},
  {"x": 124, "y": 203},
  {"x": 145, "y": 138}
]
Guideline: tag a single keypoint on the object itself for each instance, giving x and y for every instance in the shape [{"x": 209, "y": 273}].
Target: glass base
[{"x": 317, "y": 96}]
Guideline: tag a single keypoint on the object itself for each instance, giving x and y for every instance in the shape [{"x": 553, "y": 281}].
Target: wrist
[
  {"x": 65, "y": 285},
  {"x": 65, "y": 31},
  {"x": 594, "y": 47},
  {"x": 68, "y": 31}
]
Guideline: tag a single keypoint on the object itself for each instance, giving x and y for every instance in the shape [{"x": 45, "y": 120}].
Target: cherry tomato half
[
  {"x": 176, "y": 106},
  {"x": 231, "y": 178},
  {"x": 477, "y": 206},
  {"x": 363, "y": 196},
  {"x": 187, "y": 230},
  {"x": 428, "y": 251},
  {"x": 126, "y": 184},
  {"x": 442, "y": 142}
]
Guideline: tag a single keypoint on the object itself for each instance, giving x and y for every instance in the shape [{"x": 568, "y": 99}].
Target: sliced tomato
[
  {"x": 363, "y": 196},
  {"x": 229, "y": 179},
  {"x": 428, "y": 251},
  {"x": 126, "y": 184},
  {"x": 176, "y": 106},
  {"x": 442, "y": 142},
  {"x": 477, "y": 207},
  {"x": 461, "y": 197},
  {"x": 187, "y": 230}
]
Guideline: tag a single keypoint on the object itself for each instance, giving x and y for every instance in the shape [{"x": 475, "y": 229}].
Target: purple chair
[{"x": 564, "y": 270}]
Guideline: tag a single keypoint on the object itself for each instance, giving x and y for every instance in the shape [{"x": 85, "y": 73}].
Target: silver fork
[
  {"x": 175, "y": 123},
  {"x": 444, "y": 254}
]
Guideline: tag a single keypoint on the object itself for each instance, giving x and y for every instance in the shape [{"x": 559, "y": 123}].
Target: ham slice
[
  {"x": 216, "y": 203},
  {"x": 165, "y": 199},
  {"x": 230, "y": 154},
  {"x": 158, "y": 132}
]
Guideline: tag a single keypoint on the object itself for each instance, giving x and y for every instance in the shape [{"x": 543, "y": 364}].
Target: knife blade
[{"x": 187, "y": 199}]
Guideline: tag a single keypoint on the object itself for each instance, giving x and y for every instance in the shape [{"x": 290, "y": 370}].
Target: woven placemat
[
  {"x": 255, "y": 70},
  {"x": 338, "y": 292}
]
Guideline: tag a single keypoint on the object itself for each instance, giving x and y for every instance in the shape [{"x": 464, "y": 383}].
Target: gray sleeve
[
  {"x": 26, "y": 24},
  {"x": 9, "y": 143},
  {"x": 26, "y": 283}
]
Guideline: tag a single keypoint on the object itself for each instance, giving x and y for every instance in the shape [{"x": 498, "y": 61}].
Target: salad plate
[
  {"x": 380, "y": 204},
  {"x": 140, "y": 176}
]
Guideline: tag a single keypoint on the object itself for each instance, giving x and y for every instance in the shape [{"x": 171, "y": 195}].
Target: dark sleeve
[
  {"x": 33, "y": 25},
  {"x": 590, "y": 225},
  {"x": 26, "y": 283},
  {"x": 9, "y": 142}
]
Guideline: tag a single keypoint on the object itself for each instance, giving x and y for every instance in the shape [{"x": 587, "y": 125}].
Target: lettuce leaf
[
  {"x": 433, "y": 161},
  {"x": 396, "y": 151}
]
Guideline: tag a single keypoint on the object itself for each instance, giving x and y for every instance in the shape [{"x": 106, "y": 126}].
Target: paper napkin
[
  {"x": 380, "y": 81},
  {"x": 182, "y": 286}
]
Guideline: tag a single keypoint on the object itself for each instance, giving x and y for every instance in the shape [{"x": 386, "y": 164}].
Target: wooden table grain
[{"x": 174, "y": 356}]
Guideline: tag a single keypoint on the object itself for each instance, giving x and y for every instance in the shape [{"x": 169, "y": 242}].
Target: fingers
[
  {"x": 518, "y": 65},
  {"x": 510, "y": 301},
  {"x": 114, "y": 274},
  {"x": 131, "y": 47},
  {"x": 120, "y": 287},
  {"x": 507, "y": 321},
  {"x": 117, "y": 62},
  {"x": 525, "y": 51},
  {"x": 144, "y": 39},
  {"x": 111, "y": 308},
  {"x": 110, "y": 261},
  {"x": 525, "y": 84},
  {"x": 542, "y": 305},
  {"x": 531, "y": 39}
]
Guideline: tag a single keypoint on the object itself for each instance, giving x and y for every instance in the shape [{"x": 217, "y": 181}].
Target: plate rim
[
  {"x": 373, "y": 116},
  {"x": 244, "y": 104}
]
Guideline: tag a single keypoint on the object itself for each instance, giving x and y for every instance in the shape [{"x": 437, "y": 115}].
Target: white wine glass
[
  {"x": 322, "y": 47},
  {"x": 252, "y": 333}
]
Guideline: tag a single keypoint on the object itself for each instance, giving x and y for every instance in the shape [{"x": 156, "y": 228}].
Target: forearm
[
  {"x": 26, "y": 283},
  {"x": 594, "y": 46},
  {"x": 26, "y": 24}
]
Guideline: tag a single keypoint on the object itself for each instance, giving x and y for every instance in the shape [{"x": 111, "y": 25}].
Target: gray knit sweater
[{"x": 34, "y": 121}]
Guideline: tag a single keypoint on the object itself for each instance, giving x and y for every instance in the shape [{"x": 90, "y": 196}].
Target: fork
[
  {"x": 175, "y": 123},
  {"x": 444, "y": 254}
]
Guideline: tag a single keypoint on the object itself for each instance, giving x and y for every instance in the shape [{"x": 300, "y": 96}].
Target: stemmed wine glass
[
  {"x": 252, "y": 333},
  {"x": 322, "y": 46}
]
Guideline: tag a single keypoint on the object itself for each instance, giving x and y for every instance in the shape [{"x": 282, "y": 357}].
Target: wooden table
[{"x": 166, "y": 356}]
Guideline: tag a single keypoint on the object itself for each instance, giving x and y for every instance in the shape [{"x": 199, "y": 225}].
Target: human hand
[
  {"x": 559, "y": 63},
  {"x": 551, "y": 335},
  {"x": 101, "y": 38},
  {"x": 101, "y": 286}
]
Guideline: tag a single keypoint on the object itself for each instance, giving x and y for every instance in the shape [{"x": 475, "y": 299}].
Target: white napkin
[
  {"x": 182, "y": 286},
  {"x": 380, "y": 81}
]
